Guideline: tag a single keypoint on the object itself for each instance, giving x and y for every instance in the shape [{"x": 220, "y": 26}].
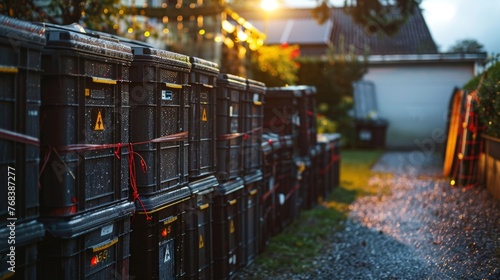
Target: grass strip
[{"x": 294, "y": 248}]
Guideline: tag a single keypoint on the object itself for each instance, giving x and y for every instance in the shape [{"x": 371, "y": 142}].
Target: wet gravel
[{"x": 422, "y": 229}]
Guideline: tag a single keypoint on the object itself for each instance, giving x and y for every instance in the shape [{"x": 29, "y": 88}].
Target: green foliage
[
  {"x": 488, "y": 92},
  {"x": 95, "y": 15},
  {"x": 325, "y": 125},
  {"x": 275, "y": 65},
  {"x": 467, "y": 46},
  {"x": 333, "y": 80},
  {"x": 377, "y": 16}
]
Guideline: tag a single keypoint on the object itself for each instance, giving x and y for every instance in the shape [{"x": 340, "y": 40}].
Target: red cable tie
[
  {"x": 18, "y": 137},
  {"x": 117, "y": 151},
  {"x": 133, "y": 180}
]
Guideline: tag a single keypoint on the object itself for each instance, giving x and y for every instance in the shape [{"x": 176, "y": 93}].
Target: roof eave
[{"x": 426, "y": 58}]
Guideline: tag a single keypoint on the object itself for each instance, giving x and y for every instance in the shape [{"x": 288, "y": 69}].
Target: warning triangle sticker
[
  {"x": 167, "y": 255},
  {"x": 204, "y": 115},
  {"x": 231, "y": 227},
  {"x": 201, "y": 245},
  {"x": 99, "y": 124}
]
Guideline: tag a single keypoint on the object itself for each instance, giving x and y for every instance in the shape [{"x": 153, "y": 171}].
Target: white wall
[{"x": 414, "y": 99}]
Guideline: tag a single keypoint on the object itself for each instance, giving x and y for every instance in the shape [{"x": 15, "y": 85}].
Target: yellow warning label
[
  {"x": 204, "y": 115},
  {"x": 99, "y": 124},
  {"x": 231, "y": 227},
  {"x": 201, "y": 244},
  {"x": 87, "y": 92}
]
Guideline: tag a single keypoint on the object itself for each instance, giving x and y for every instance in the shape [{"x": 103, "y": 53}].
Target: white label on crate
[
  {"x": 255, "y": 97},
  {"x": 232, "y": 259},
  {"x": 296, "y": 120},
  {"x": 365, "y": 135},
  {"x": 282, "y": 198},
  {"x": 166, "y": 95},
  {"x": 106, "y": 230},
  {"x": 230, "y": 111}
]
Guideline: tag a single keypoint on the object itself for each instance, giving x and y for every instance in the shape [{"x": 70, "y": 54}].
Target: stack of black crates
[
  {"x": 328, "y": 163},
  {"x": 202, "y": 169},
  {"x": 126, "y": 161},
  {"x": 21, "y": 47},
  {"x": 84, "y": 180},
  {"x": 282, "y": 118},
  {"x": 159, "y": 100}
]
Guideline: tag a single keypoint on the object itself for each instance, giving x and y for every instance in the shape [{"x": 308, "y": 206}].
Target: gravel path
[{"x": 424, "y": 229}]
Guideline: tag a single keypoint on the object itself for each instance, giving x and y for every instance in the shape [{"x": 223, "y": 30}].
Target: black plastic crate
[
  {"x": 21, "y": 46},
  {"x": 227, "y": 228},
  {"x": 250, "y": 218},
  {"x": 310, "y": 113},
  {"x": 270, "y": 146},
  {"x": 84, "y": 117},
  {"x": 253, "y": 113},
  {"x": 324, "y": 166},
  {"x": 314, "y": 190},
  {"x": 289, "y": 194},
  {"x": 157, "y": 238},
  {"x": 202, "y": 138},
  {"x": 333, "y": 167},
  {"x": 92, "y": 245},
  {"x": 230, "y": 91},
  {"x": 18, "y": 255},
  {"x": 158, "y": 107},
  {"x": 198, "y": 228},
  {"x": 281, "y": 116}
]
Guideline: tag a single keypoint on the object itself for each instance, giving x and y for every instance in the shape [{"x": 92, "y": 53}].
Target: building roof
[
  {"x": 413, "y": 37},
  {"x": 293, "y": 26},
  {"x": 297, "y": 26}
]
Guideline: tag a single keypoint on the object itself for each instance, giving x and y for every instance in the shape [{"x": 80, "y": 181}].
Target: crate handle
[
  {"x": 204, "y": 206},
  {"x": 101, "y": 247},
  {"x": 208, "y": 86},
  {"x": 253, "y": 192},
  {"x": 169, "y": 85},
  {"x": 103, "y": 81},
  {"x": 9, "y": 69},
  {"x": 233, "y": 202}
]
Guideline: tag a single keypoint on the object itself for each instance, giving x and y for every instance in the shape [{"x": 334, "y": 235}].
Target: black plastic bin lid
[
  {"x": 155, "y": 202},
  {"x": 86, "y": 222},
  {"x": 229, "y": 187},
  {"x": 21, "y": 31},
  {"x": 284, "y": 92},
  {"x": 203, "y": 185},
  {"x": 204, "y": 65},
  {"x": 162, "y": 56},
  {"x": 252, "y": 178},
  {"x": 229, "y": 79},
  {"x": 25, "y": 233},
  {"x": 75, "y": 37}
]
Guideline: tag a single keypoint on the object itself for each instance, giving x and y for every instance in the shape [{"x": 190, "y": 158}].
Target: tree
[
  {"x": 275, "y": 65},
  {"x": 378, "y": 16},
  {"x": 333, "y": 80},
  {"x": 97, "y": 15},
  {"x": 466, "y": 46}
]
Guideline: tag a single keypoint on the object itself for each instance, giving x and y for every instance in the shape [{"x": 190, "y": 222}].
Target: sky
[{"x": 450, "y": 21}]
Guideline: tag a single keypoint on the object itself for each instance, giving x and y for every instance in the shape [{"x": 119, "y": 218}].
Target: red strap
[
  {"x": 182, "y": 136},
  {"x": 18, "y": 137},
  {"x": 133, "y": 179}
]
